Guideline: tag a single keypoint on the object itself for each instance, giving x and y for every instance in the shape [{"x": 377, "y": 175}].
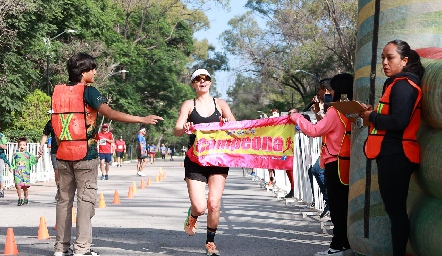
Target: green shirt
[
  {"x": 93, "y": 100},
  {"x": 3, "y": 141}
]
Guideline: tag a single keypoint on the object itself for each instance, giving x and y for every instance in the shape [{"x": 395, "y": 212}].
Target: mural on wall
[{"x": 419, "y": 23}]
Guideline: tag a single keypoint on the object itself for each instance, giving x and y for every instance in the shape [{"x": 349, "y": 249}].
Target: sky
[{"x": 218, "y": 23}]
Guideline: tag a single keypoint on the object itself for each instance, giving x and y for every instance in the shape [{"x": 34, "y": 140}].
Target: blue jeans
[{"x": 316, "y": 171}]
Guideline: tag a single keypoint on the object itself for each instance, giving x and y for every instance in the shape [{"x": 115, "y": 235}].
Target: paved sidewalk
[{"x": 253, "y": 221}]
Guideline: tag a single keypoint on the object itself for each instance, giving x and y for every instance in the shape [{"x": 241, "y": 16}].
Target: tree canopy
[{"x": 150, "y": 40}]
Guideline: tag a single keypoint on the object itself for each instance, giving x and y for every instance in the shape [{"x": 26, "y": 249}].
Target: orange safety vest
[
  {"x": 344, "y": 151},
  {"x": 69, "y": 121},
  {"x": 375, "y": 137}
]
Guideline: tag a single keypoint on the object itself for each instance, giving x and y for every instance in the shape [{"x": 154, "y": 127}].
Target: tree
[
  {"x": 314, "y": 36},
  {"x": 34, "y": 116}
]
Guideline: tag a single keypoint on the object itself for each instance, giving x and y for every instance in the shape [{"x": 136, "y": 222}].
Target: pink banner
[{"x": 262, "y": 143}]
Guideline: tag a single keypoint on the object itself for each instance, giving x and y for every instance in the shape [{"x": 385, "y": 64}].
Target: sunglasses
[
  {"x": 292, "y": 112},
  {"x": 198, "y": 78}
]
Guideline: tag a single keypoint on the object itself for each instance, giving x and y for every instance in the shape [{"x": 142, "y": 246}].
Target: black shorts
[
  {"x": 197, "y": 172},
  {"x": 139, "y": 155},
  {"x": 119, "y": 154}
]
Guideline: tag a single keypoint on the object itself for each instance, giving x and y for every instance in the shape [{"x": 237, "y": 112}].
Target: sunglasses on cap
[{"x": 198, "y": 78}]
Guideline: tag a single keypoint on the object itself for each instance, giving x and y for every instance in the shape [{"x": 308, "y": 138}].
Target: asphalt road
[{"x": 253, "y": 221}]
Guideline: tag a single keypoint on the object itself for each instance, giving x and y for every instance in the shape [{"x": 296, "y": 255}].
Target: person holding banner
[
  {"x": 203, "y": 109},
  {"x": 335, "y": 129}
]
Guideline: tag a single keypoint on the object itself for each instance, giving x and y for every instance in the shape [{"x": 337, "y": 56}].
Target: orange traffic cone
[
  {"x": 130, "y": 194},
  {"x": 10, "y": 245},
  {"x": 43, "y": 232},
  {"x": 101, "y": 202},
  {"x": 134, "y": 187},
  {"x": 116, "y": 198},
  {"x": 142, "y": 185},
  {"x": 164, "y": 174},
  {"x": 181, "y": 164},
  {"x": 156, "y": 178},
  {"x": 148, "y": 181},
  {"x": 74, "y": 217}
]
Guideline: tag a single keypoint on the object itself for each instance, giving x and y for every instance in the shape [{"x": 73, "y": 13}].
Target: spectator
[
  {"x": 334, "y": 128},
  {"x": 152, "y": 153},
  {"x": 22, "y": 161},
  {"x": 163, "y": 150},
  {"x": 3, "y": 160},
  {"x": 392, "y": 135},
  {"x": 120, "y": 150},
  {"x": 77, "y": 151},
  {"x": 105, "y": 140},
  {"x": 141, "y": 152},
  {"x": 49, "y": 131},
  {"x": 172, "y": 151}
]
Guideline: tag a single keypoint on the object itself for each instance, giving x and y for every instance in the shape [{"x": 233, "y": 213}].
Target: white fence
[
  {"x": 306, "y": 154},
  {"x": 43, "y": 171}
]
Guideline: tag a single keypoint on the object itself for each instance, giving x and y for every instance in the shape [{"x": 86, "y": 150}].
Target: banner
[{"x": 262, "y": 143}]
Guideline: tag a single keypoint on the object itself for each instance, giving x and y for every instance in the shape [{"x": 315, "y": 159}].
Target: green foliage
[
  {"x": 35, "y": 115},
  {"x": 153, "y": 40},
  {"x": 32, "y": 136}
]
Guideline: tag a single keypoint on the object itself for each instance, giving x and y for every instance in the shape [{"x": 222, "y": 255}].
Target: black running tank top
[{"x": 197, "y": 119}]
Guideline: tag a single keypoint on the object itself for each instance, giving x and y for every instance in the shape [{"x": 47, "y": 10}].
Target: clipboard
[{"x": 350, "y": 109}]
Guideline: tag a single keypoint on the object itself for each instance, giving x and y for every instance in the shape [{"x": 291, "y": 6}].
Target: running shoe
[
  {"x": 141, "y": 174},
  {"x": 330, "y": 251},
  {"x": 190, "y": 224},
  {"x": 211, "y": 249},
  {"x": 68, "y": 252},
  {"x": 89, "y": 252}
]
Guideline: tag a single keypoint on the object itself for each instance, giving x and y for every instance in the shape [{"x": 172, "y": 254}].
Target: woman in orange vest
[
  {"x": 334, "y": 128},
  {"x": 392, "y": 135}
]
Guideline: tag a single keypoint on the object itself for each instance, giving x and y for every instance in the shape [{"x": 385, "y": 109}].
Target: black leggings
[
  {"x": 394, "y": 174},
  {"x": 338, "y": 206}
]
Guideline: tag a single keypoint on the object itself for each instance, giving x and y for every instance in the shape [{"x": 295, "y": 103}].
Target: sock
[{"x": 210, "y": 235}]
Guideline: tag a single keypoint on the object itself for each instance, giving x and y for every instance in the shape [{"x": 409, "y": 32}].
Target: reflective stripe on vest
[
  {"x": 344, "y": 150},
  {"x": 69, "y": 121},
  {"x": 372, "y": 146}
]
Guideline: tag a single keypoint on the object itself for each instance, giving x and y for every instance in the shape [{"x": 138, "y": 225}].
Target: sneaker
[
  {"x": 290, "y": 194},
  {"x": 2, "y": 193},
  {"x": 325, "y": 212},
  {"x": 89, "y": 252},
  {"x": 106, "y": 177},
  {"x": 211, "y": 249},
  {"x": 190, "y": 224},
  {"x": 20, "y": 202},
  {"x": 25, "y": 201},
  {"x": 141, "y": 174},
  {"x": 68, "y": 252},
  {"x": 102, "y": 177},
  {"x": 333, "y": 252}
]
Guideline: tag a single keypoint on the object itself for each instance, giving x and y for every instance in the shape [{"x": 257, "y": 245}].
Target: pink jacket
[{"x": 331, "y": 126}]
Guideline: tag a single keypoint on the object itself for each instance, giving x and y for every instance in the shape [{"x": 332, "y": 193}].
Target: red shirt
[
  {"x": 120, "y": 144},
  {"x": 104, "y": 146}
]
